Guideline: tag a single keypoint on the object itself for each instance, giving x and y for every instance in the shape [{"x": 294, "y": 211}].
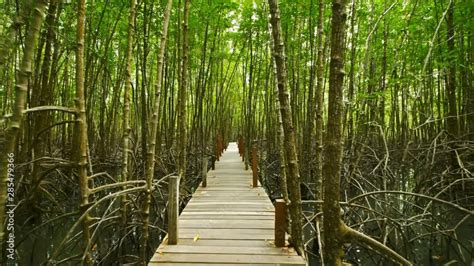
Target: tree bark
[
  {"x": 81, "y": 131},
  {"x": 150, "y": 159},
  {"x": 318, "y": 177},
  {"x": 332, "y": 223},
  {"x": 452, "y": 119},
  {"x": 289, "y": 131},
  {"x": 182, "y": 96},
  {"x": 126, "y": 115}
]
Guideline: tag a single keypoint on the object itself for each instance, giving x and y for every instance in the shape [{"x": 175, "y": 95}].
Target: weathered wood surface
[
  {"x": 227, "y": 223},
  {"x": 173, "y": 210}
]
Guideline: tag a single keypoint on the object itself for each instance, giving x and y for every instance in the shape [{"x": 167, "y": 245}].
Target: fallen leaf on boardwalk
[
  {"x": 196, "y": 238},
  {"x": 270, "y": 243},
  {"x": 288, "y": 249}
]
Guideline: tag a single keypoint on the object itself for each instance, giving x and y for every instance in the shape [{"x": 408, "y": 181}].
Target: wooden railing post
[
  {"x": 173, "y": 210},
  {"x": 204, "y": 171},
  {"x": 213, "y": 163},
  {"x": 239, "y": 146},
  {"x": 216, "y": 151},
  {"x": 254, "y": 166},
  {"x": 280, "y": 222},
  {"x": 221, "y": 145}
]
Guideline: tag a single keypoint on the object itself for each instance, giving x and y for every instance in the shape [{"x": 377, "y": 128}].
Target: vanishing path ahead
[{"x": 227, "y": 222}]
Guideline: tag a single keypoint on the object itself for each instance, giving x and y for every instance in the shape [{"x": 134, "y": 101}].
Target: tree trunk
[
  {"x": 307, "y": 147},
  {"x": 318, "y": 177},
  {"x": 452, "y": 120},
  {"x": 81, "y": 131},
  {"x": 150, "y": 159},
  {"x": 126, "y": 115},
  {"x": 289, "y": 131},
  {"x": 332, "y": 223},
  {"x": 182, "y": 96},
  {"x": 280, "y": 136}
]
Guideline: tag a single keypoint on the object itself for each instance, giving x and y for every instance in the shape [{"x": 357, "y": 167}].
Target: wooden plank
[
  {"x": 235, "y": 258},
  {"x": 250, "y": 198},
  {"x": 230, "y": 180},
  {"x": 229, "y": 236},
  {"x": 234, "y": 199},
  {"x": 231, "y": 193},
  {"x": 240, "y": 196},
  {"x": 258, "y": 203},
  {"x": 231, "y": 205},
  {"x": 226, "y": 242},
  {"x": 236, "y": 233},
  {"x": 269, "y": 213},
  {"x": 207, "y": 264},
  {"x": 227, "y": 217},
  {"x": 229, "y": 185},
  {"x": 229, "y": 224},
  {"x": 229, "y": 188},
  {"x": 234, "y": 207},
  {"x": 190, "y": 249}
]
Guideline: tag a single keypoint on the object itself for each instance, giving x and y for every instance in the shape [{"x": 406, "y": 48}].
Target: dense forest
[{"x": 361, "y": 113}]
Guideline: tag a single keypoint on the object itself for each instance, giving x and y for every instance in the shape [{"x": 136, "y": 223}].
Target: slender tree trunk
[
  {"x": 249, "y": 114},
  {"x": 145, "y": 82},
  {"x": 318, "y": 177},
  {"x": 350, "y": 108},
  {"x": 150, "y": 159},
  {"x": 307, "y": 147},
  {"x": 126, "y": 114},
  {"x": 289, "y": 131},
  {"x": 452, "y": 120},
  {"x": 182, "y": 96},
  {"x": 280, "y": 135},
  {"x": 332, "y": 224},
  {"x": 81, "y": 130}
]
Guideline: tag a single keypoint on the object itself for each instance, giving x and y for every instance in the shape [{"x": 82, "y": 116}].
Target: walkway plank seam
[{"x": 227, "y": 223}]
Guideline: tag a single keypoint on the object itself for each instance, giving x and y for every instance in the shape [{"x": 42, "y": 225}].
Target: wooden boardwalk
[{"x": 228, "y": 223}]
